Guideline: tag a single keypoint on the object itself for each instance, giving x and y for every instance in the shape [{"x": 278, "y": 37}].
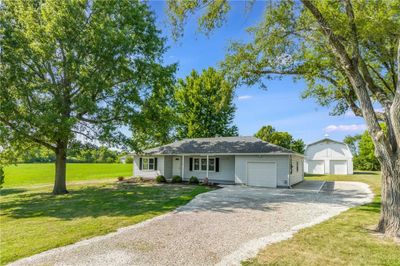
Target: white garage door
[
  {"x": 316, "y": 167},
  {"x": 339, "y": 167},
  {"x": 261, "y": 174}
]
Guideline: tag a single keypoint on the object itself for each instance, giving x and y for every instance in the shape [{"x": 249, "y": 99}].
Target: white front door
[
  {"x": 176, "y": 166},
  {"x": 261, "y": 174}
]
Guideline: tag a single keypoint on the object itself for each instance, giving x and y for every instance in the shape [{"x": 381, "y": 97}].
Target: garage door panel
[
  {"x": 261, "y": 174},
  {"x": 338, "y": 167},
  {"x": 316, "y": 167}
]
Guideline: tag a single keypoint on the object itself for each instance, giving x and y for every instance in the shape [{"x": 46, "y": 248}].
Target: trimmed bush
[
  {"x": 161, "y": 179},
  {"x": 193, "y": 180},
  {"x": 176, "y": 179}
]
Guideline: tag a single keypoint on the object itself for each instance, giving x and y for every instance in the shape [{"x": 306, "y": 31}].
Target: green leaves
[
  {"x": 77, "y": 68},
  {"x": 283, "y": 139},
  {"x": 204, "y": 104}
]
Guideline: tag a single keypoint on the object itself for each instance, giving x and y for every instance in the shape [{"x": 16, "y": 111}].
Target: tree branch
[
  {"x": 352, "y": 72},
  {"x": 39, "y": 141},
  {"x": 359, "y": 61}
]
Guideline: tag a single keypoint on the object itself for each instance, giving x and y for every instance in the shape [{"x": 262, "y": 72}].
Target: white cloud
[
  {"x": 346, "y": 128},
  {"x": 244, "y": 97}
]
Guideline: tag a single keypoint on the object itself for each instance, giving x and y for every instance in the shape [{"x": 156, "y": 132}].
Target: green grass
[
  {"x": 346, "y": 239},
  {"x": 33, "y": 220},
  {"x": 36, "y": 174}
]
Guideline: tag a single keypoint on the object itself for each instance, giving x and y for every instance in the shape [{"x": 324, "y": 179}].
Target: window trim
[
  {"x": 148, "y": 163},
  {"x": 199, "y": 165}
]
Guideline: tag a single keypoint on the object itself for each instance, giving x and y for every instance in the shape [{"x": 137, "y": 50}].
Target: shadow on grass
[
  {"x": 371, "y": 207},
  {"x": 365, "y": 173},
  {"x": 99, "y": 201},
  {"x": 10, "y": 191}
]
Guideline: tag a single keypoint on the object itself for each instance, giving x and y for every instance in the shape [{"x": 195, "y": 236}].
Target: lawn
[
  {"x": 346, "y": 239},
  {"x": 36, "y": 174},
  {"x": 33, "y": 220}
]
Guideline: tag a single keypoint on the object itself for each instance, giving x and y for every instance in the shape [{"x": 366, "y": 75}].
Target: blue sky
[{"x": 280, "y": 105}]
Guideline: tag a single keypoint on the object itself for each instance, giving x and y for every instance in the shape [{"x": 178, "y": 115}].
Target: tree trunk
[
  {"x": 60, "y": 186},
  {"x": 389, "y": 223}
]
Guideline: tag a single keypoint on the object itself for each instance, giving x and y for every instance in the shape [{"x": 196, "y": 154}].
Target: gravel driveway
[{"x": 222, "y": 227}]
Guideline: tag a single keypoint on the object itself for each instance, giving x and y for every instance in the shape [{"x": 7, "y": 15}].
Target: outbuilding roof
[
  {"x": 219, "y": 145},
  {"x": 326, "y": 139}
]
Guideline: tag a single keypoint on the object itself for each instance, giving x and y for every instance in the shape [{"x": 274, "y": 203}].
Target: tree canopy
[
  {"x": 77, "y": 68},
  {"x": 204, "y": 105},
  {"x": 283, "y": 139}
]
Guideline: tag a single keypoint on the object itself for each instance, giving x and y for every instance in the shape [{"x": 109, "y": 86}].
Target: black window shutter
[
  {"x": 216, "y": 164},
  {"x": 155, "y": 163},
  {"x": 140, "y": 163},
  {"x": 190, "y": 164}
]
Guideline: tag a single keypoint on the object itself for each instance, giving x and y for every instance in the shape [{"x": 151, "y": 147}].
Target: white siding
[
  {"x": 282, "y": 167},
  {"x": 297, "y": 174},
  {"x": 148, "y": 173},
  {"x": 226, "y": 172}
]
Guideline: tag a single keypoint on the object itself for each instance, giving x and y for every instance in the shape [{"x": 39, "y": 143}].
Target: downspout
[{"x": 290, "y": 169}]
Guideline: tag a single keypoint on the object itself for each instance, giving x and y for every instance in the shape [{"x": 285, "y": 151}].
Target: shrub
[
  {"x": 120, "y": 178},
  {"x": 176, "y": 179},
  {"x": 161, "y": 179},
  {"x": 205, "y": 181},
  {"x": 193, "y": 180},
  {"x": 129, "y": 159},
  {"x": 1, "y": 176}
]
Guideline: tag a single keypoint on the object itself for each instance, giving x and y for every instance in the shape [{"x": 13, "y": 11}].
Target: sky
[{"x": 280, "y": 105}]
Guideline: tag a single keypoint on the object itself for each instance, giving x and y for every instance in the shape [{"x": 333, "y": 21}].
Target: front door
[{"x": 176, "y": 166}]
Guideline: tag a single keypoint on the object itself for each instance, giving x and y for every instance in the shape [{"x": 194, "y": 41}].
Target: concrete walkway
[{"x": 222, "y": 227}]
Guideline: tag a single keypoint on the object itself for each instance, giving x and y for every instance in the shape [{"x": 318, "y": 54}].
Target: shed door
[
  {"x": 339, "y": 167},
  {"x": 316, "y": 167},
  {"x": 261, "y": 174}
]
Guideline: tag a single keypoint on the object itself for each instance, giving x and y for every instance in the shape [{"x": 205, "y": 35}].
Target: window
[
  {"x": 148, "y": 164},
  {"x": 297, "y": 166},
  {"x": 196, "y": 164},
  {"x": 211, "y": 164},
  {"x": 203, "y": 164},
  {"x": 200, "y": 164},
  {"x": 290, "y": 166}
]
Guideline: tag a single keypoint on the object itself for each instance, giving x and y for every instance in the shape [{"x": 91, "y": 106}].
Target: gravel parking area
[{"x": 222, "y": 227}]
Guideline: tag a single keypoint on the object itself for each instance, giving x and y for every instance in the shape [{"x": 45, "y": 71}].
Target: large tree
[
  {"x": 347, "y": 51},
  {"x": 280, "y": 138},
  {"x": 204, "y": 105},
  {"x": 70, "y": 68}
]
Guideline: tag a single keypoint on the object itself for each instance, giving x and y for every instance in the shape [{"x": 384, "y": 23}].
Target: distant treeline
[{"x": 79, "y": 153}]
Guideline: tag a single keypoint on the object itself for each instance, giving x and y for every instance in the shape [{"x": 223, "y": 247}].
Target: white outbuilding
[{"x": 328, "y": 156}]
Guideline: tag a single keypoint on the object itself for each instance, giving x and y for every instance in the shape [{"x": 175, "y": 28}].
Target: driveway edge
[{"x": 251, "y": 248}]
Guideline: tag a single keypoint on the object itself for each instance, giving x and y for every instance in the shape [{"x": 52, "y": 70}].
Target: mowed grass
[
  {"x": 33, "y": 220},
  {"x": 38, "y": 174},
  {"x": 346, "y": 239}
]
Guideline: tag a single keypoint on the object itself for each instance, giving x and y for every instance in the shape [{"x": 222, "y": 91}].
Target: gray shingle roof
[{"x": 219, "y": 145}]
